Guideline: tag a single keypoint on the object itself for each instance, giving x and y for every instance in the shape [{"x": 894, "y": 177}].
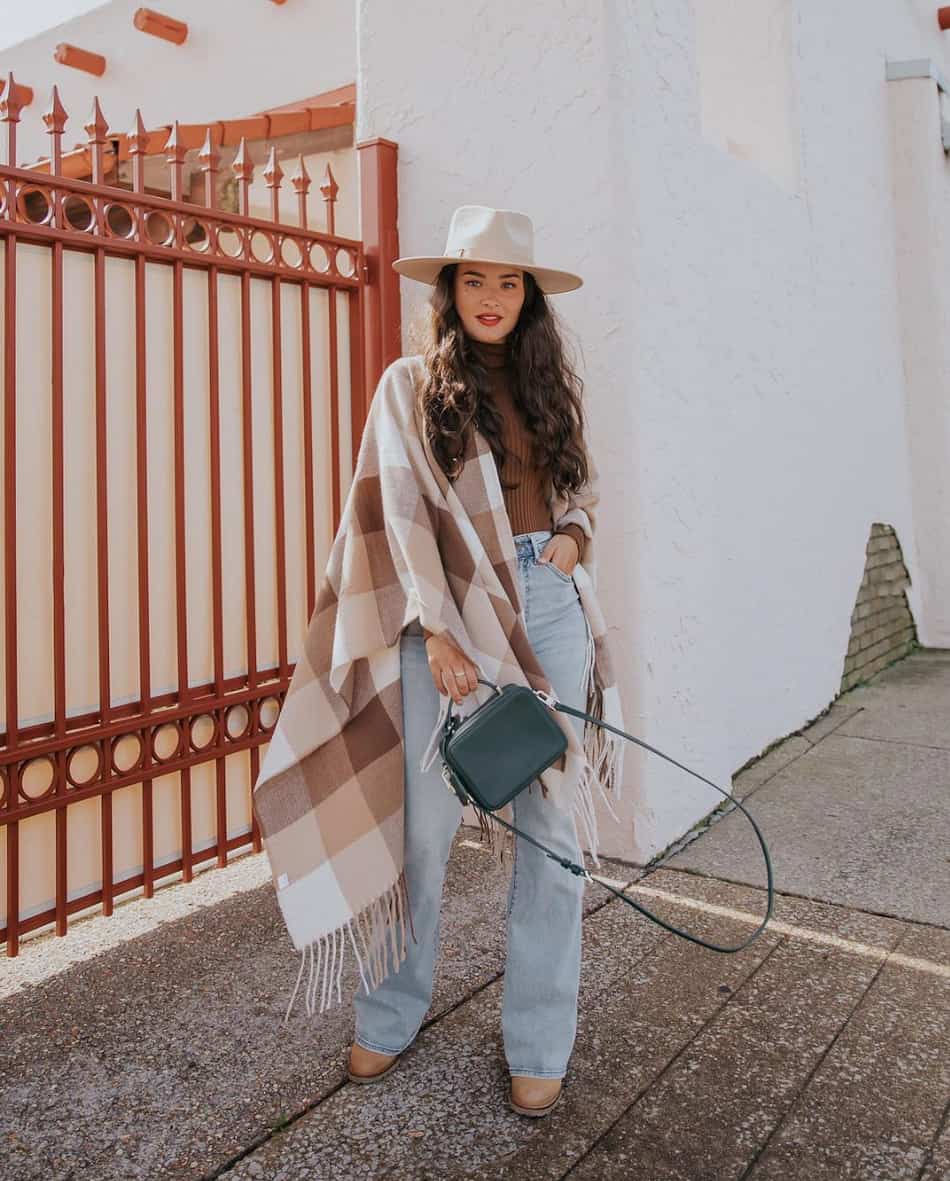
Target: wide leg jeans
[{"x": 545, "y": 901}]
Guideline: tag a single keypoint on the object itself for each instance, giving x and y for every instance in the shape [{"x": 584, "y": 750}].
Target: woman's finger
[{"x": 451, "y": 685}]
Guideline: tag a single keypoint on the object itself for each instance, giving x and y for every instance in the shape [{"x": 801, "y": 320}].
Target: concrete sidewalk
[{"x": 150, "y": 1044}]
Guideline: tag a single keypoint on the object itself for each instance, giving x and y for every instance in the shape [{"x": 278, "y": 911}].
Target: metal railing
[{"x": 167, "y": 278}]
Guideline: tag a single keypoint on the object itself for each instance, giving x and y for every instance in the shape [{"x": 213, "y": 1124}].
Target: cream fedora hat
[{"x": 479, "y": 233}]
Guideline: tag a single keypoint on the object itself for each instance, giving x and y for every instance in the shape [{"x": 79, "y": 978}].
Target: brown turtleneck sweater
[{"x": 526, "y": 505}]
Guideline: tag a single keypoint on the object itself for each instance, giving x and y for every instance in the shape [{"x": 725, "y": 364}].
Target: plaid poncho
[{"x": 330, "y": 794}]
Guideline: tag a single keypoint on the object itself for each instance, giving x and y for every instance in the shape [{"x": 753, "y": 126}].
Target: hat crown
[{"x": 491, "y": 235}]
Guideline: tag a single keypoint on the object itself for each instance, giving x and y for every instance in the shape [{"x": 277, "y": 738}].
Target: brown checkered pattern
[{"x": 329, "y": 796}]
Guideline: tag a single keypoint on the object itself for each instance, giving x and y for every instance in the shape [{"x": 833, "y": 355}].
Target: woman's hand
[
  {"x": 564, "y": 548},
  {"x": 451, "y": 669}
]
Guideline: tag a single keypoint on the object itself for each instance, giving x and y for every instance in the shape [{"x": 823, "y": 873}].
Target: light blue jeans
[{"x": 545, "y": 901}]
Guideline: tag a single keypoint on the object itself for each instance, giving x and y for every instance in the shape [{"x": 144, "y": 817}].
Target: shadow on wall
[{"x": 882, "y": 626}]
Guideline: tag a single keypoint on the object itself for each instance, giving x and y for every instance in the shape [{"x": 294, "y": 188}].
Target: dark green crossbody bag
[
  {"x": 504, "y": 744},
  {"x": 501, "y": 746}
]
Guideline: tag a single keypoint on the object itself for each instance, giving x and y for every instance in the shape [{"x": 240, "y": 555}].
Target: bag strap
[{"x": 580, "y": 870}]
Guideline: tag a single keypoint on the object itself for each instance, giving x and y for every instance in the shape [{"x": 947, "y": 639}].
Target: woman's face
[{"x": 488, "y": 289}]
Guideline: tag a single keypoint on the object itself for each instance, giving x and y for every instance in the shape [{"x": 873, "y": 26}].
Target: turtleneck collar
[{"x": 493, "y": 354}]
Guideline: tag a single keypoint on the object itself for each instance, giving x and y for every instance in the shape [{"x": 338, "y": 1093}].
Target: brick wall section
[{"x": 882, "y": 627}]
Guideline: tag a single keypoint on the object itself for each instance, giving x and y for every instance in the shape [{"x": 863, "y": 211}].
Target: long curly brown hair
[{"x": 454, "y": 397}]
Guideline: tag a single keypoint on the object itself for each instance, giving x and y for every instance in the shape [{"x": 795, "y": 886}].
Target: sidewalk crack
[
  {"x": 822, "y": 1058},
  {"x": 932, "y": 1147},
  {"x": 676, "y": 1057}
]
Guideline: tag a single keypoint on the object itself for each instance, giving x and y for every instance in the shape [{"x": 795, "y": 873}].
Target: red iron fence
[{"x": 149, "y": 641}]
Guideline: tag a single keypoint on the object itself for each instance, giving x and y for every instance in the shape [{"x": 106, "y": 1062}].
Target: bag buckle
[
  {"x": 548, "y": 700},
  {"x": 453, "y": 787}
]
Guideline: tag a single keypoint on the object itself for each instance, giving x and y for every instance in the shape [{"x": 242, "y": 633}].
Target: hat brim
[{"x": 425, "y": 269}]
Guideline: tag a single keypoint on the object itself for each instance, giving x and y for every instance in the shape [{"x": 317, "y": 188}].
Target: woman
[{"x": 495, "y": 361}]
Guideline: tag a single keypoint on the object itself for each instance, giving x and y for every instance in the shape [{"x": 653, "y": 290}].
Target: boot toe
[{"x": 365, "y": 1066}]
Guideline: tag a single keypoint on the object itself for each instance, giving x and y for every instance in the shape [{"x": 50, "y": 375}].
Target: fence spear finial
[
  {"x": 96, "y": 127},
  {"x": 10, "y": 106},
  {"x": 329, "y": 189},
  {"x": 208, "y": 159},
  {"x": 55, "y": 117},
  {"x": 301, "y": 182},
  {"x": 273, "y": 175},
  {"x": 138, "y": 140},
  {"x": 243, "y": 168}
]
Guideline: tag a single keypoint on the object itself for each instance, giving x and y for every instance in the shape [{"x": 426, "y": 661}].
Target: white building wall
[
  {"x": 23, "y": 21},
  {"x": 240, "y": 57},
  {"x": 738, "y": 325},
  {"x": 921, "y": 185}
]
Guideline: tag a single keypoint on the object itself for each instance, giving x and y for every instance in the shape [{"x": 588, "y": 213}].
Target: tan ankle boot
[
  {"x": 366, "y": 1066},
  {"x": 533, "y": 1096}
]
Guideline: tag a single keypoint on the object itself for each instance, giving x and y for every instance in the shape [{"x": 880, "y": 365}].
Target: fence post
[{"x": 379, "y": 210}]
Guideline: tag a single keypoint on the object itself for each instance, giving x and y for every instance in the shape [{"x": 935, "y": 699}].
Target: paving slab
[
  {"x": 877, "y": 1100},
  {"x": 769, "y": 765},
  {"x": 937, "y": 1166},
  {"x": 712, "y": 1111},
  {"x": 908, "y": 702},
  {"x": 858, "y": 822}
]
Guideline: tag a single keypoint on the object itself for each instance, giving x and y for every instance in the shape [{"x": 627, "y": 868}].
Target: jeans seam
[
  {"x": 514, "y": 868},
  {"x": 538, "y": 1073}
]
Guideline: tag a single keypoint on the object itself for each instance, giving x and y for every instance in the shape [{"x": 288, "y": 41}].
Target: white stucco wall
[
  {"x": 22, "y": 21},
  {"x": 738, "y": 325},
  {"x": 921, "y": 185},
  {"x": 240, "y": 57}
]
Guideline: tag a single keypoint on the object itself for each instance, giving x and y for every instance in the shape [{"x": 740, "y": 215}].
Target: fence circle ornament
[
  {"x": 79, "y": 213},
  {"x": 345, "y": 262},
  {"x": 205, "y": 728},
  {"x": 158, "y": 228},
  {"x": 267, "y": 712},
  {"x": 166, "y": 742},
  {"x": 119, "y": 220},
  {"x": 262, "y": 253},
  {"x": 34, "y": 205},
  {"x": 230, "y": 240},
  {"x": 319, "y": 258},
  {"x": 234, "y": 713},
  {"x": 125, "y": 753},
  {"x": 78, "y": 759},
  {"x": 42, "y": 769},
  {"x": 291, "y": 253},
  {"x": 195, "y": 235}
]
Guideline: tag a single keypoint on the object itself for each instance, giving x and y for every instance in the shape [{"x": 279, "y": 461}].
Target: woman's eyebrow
[{"x": 507, "y": 275}]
